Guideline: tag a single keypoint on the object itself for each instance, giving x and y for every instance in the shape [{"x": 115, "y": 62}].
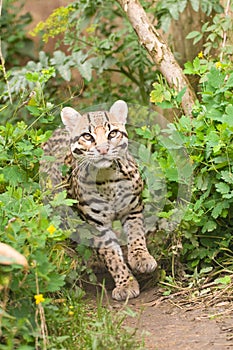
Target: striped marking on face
[{"x": 98, "y": 134}]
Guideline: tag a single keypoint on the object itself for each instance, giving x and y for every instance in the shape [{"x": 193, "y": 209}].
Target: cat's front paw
[
  {"x": 142, "y": 261},
  {"x": 127, "y": 290}
]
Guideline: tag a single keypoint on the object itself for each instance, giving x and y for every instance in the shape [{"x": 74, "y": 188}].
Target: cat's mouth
[{"x": 103, "y": 162}]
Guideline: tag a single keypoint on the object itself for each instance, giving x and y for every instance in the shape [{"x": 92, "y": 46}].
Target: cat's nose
[{"x": 102, "y": 149}]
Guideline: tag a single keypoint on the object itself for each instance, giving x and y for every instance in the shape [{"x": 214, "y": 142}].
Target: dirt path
[
  {"x": 178, "y": 322},
  {"x": 166, "y": 326}
]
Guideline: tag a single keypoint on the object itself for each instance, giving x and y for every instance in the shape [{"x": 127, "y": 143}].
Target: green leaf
[
  {"x": 218, "y": 209},
  {"x": 193, "y": 34},
  {"x": 216, "y": 78},
  {"x": 144, "y": 154},
  {"x": 195, "y": 5},
  {"x": 196, "y": 63},
  {"x": 227, "y": 176},
  {"x": 32, "y": 76},
  {"x": 84, "y": 66},
  {"x": 206, "y": 269},
  {"x": 172, "y": 174},
  {"x": 65, "y": 71},
  {"x": 209, "y": 226},
  {"x": 34, "y": 110},
  {"x": 214, "y": 114},
  {"x": 14, "y": 175},
  {"x": 181, "y": 5},
  {"x": 198, "y": 38},
  {"x": 228, "y": 117},
  {"x": 62, "y": 65},
  {"x": 222, "y": 187},
  {"x": 156, "y": 95},
  {"x": 188, "y": 68},
  {"x": 60, "y": 199},
  {"x": 181, "y": 94},
  {"x": 55, "y": 282},
  {"x": 174, "y": 12},
  {"x": 229, "y": 82},
  {"x": 228, "y": 195},
  {"x": 223, "y": 280}
]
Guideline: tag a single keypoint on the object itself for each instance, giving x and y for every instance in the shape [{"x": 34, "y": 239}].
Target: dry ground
[
  {"x": 168, "y": 325},
  {"x": 180, "y": 321}
]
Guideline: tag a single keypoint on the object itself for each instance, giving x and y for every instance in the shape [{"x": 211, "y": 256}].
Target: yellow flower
[
  {"x": 39, "y": 298},
  {"x": 218, "y": 65},
  {"x": 45, "y": 71},
  {"x": 51, "y": 229},
  {"x": 91, "y": 29},
  {"x": 70, "y": 313},
  {"x": 200, "y": 55},
  {"x": 38, "y": 138}
]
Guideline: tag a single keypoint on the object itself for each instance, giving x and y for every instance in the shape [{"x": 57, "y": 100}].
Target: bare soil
[
  {"x": 181, "y": 321},
  {"x": 167, "y": 325}
]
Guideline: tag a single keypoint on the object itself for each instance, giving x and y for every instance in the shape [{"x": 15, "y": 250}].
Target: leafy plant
[
  {"x": 207, "y": 138},
  {"x": 216, "y": 34},
  {"x": 187, "y": 168},
  {"x": 14, "y": 42},
  {"x": 105, "y": 47},
  {"x": 165, "y": 11}
]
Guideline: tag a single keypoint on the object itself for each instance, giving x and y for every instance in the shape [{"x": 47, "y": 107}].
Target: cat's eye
[
  {"x": 112, "y": 134},
  {"x": 88, "y": 137}
]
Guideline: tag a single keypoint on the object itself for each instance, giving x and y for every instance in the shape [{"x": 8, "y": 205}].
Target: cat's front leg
[
  {"x": 139, "y": 258},
  {"x": 126, "y": 285}
]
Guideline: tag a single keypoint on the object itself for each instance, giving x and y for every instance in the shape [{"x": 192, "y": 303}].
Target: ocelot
[{"x": 105, "y": 181}]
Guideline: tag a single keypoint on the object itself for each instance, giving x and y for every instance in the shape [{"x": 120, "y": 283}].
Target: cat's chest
[
  {"x": 110, "y": 183},
  {"x": 113, "y": 188}
]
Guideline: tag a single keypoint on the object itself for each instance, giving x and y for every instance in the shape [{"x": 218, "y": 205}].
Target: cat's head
[{"x": 98, "y": 137}]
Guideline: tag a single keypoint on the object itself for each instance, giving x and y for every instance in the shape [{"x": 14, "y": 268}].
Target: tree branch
[{"x": 159, "y": 51}]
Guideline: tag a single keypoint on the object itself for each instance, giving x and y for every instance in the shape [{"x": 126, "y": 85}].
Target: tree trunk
[
  {"x": 159, "y": 51},
  {"x": 183, "y": 49}
]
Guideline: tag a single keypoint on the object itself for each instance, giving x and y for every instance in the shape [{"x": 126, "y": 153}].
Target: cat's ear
[
  {"x": 70, "y": 118},
  {"x": 119, "y": 110}
]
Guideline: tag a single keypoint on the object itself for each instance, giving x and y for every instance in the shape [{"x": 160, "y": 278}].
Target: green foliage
[
  {"x": 164, "y": 96},
  {"x": 108, "y": 48},
  {"x": 187, "y": 168},
  {"x": 31, "y": 220},
  {"x": 14, "y": 42},
  {"x": 165, "y": 11},
  {"x": 55, "y": 24},
  {"x": 33, "y": 228},
  {"x": 92, "y": 327},
  {"x": 211, "y": 150},
  {"x": 220, "y": 27},
  {"x": 208, "y": 138}
]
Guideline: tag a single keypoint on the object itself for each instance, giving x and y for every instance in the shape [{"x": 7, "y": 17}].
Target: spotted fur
[{"x": 105, "y": 180}]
